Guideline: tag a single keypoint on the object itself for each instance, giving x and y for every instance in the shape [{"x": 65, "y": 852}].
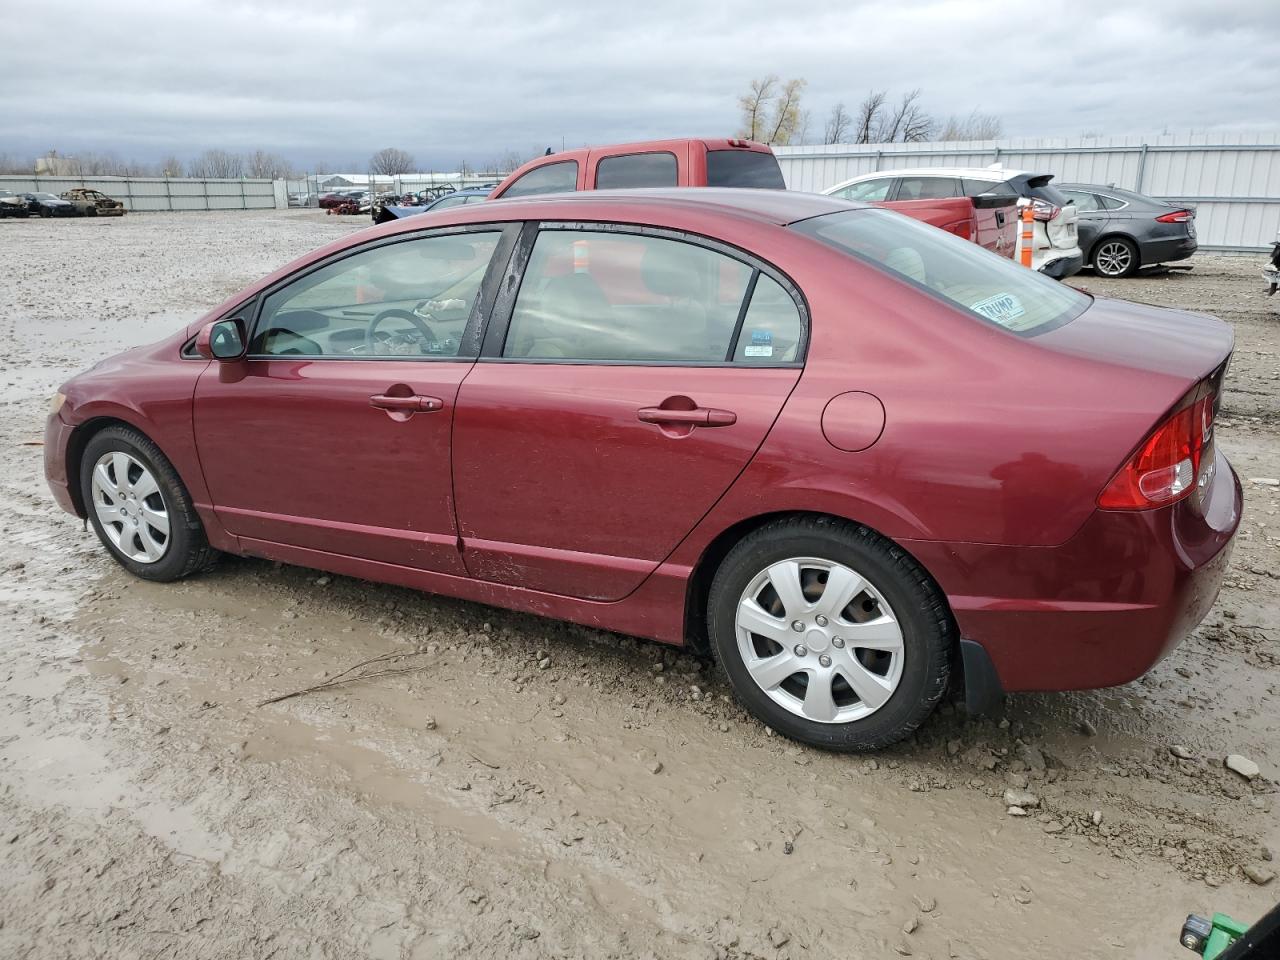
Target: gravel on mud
[{"x": 514, "y": 787}]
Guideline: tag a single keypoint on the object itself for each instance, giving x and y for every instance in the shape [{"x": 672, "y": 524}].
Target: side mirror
[{"x": 221, "y": 340}]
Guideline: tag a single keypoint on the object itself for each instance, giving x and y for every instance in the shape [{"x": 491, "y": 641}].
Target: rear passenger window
[
  {"x": 927, "y": 188},
  {"x": 976, "y": 188},
  {"x": 868, "y": 190},
  {"x": 605, "y": 296},
  {"x": 1084, "y": 202},
  {"x": 1110, "y": 203},
  {"x": 561, "y": 177},
  {"x": 771, "y": 328},
  {"x": 636, "y": 170}
]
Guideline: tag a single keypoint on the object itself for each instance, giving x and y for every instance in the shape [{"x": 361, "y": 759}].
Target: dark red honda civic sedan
[{"x": 850, "y": 456}]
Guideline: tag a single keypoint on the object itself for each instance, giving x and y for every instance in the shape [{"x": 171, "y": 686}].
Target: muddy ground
[{"x": 612, "y": 803}]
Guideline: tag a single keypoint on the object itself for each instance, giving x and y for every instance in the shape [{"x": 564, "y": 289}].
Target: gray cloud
[{"x": 333, "y": 81}]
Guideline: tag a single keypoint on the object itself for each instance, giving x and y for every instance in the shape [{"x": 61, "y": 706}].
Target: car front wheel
[
  {"x": 139, "y": 507},
  {"x": 830, "y": 634}
]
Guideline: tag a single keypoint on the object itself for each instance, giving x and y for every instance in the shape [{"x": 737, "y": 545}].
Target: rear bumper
[
  {"x": 57, "y": 438},
  {"x": 1063, "y": 267},
  {"x": 1101, "y": 609},
  {"x": 1167, "y": 251}
]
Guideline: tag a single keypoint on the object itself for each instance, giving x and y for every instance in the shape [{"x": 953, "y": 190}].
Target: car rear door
[
  {"x": 1091, "y": 217},
  {"x": 333, "y": 434},
  {"x": 621, "y": 390}
]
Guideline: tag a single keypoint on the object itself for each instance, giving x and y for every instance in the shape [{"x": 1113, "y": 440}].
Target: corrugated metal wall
[
  {"x": 159, "y": 193},
  {"x": 1233, "y": 180}
]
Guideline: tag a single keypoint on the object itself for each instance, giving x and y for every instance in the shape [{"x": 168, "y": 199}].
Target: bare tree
[
  {"x": 171, "y": 166},
  {"x": 755, "y": 107},
  {"x": 905, "y": 122},
  {"x": 976, "y": 126},
  {"x": 268, "y": 166},
  {"x": 801, "y": 136},
  {"x": 868, "y": 117},
  {"x": 785, "y": 122},
  {"x": 838, "y": 125},
  {"x": 391, "y": 162},
  {"x": 216, "y": 164},
  {"x": 12, "y": 165}
]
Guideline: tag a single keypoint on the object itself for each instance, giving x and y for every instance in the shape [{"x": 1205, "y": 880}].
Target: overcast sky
[{"x": 332, "y": 82}]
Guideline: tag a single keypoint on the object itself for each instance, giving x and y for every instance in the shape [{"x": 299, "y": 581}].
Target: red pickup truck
[{"x": 990, "y": 222}]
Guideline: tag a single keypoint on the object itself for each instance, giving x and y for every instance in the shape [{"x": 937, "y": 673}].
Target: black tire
[
  {"x": 186, "y": 550},
  {"x": 46, "y": 212},
  {"x": 1104, "y": 257},
  {"x": 91, "y": 212},
  {"x": 920, "y": 608}
]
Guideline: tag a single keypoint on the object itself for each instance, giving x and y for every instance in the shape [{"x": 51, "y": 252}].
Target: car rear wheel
[
  {"x": 139, "y": 507},
  {"x": 830, "y": 634},
  {"x": 1116, "y": 257}
]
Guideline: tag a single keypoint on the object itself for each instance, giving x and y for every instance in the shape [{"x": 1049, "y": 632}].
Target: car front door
[
  {"x": 621, "y": 389},
  {"x": 333, "y": 433}
]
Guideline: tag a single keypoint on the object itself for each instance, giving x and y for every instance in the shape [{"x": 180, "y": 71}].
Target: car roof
[
  {"x": 974, "y": 173},
  {"x": 778, "y": 207},
  {"x": 1112, "y": 192}
]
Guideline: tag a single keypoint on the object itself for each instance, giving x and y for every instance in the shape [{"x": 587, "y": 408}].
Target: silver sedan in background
[{"x": 1121, "y": 231}]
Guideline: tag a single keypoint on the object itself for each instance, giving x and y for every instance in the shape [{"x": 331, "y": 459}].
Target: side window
[
  {"x": 1111, "y": 203},
  {"x": 409, "y": 299},
  {"x": 975, "y": 188},
  {"x": 559, "y": 177},
  {"x": 590, "y": 295},
  {"x": 1084, "y": 202},
  {"x": 636, "y": 170},
  {"x": 927, "y": 188},
  {"x": 877, "y": 189},
  {"x": 451, "y": 201},
  {"x": 771, "y": 328}
]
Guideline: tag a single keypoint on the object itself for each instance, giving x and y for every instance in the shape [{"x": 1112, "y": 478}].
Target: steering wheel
[{"x": 370, "y": 340}]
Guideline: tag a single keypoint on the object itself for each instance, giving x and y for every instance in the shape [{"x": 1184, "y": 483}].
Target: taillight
[
  {"x": 1044, "y": 210},
  {"x": 1178, "y": 216},
  {"x": 1175, "y": 457}
]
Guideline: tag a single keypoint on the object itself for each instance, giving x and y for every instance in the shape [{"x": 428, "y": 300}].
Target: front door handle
[
  {"x": 411, "y": 404},
  {"x": 697, "y": 417}
]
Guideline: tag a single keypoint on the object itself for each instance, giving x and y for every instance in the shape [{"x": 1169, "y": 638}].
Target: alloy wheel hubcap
[
  {"x": 130, "y": 507},
  {"x": 820, "y": 640},
  {"x": 1114, "y": 259}
]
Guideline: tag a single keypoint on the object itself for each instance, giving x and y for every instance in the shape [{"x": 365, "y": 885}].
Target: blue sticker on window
[{"x": 759, "y": 337}]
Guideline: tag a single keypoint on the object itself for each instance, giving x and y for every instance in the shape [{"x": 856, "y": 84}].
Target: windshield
[
  {"x": 990, "y": 287},
  {"x": 743, "y": 168},
  {"x": 45, "y": 196}
]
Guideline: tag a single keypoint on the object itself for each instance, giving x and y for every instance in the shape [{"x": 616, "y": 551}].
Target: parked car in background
[
  {"x": 1122, "y": 231},
  {"x": 93, "y": 203},
  {"x": 12, "y": 205},
  {"x": 1271, "y": 272},
  {"x": 456, "y": 199},
  {"x": 846, "y": 451},
  {"x": 654, "y": 163},
  {"x": 47, "y": 205},
  {"x": 1055, "y": 251},
  {"x": 338, "y": 197}
]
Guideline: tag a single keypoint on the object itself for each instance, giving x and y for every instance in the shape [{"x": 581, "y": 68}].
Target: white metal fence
[
  {"x": 161, "y": 193},
  {"x": 1232, "y": 180}
]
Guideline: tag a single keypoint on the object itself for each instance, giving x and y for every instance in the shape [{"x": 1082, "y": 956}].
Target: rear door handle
[
  {"x": 697, "y": 417},
  {"x": 413, "y": 404}
]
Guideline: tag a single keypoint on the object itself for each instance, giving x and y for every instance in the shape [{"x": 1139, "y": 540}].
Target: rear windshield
[
  {"x": 743, "y": 168},
  {"x": 1048, "y": 193},
  {"x": 991, "y": 288}
]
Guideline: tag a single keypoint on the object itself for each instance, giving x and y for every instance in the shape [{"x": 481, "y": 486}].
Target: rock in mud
[
  {"x": 1021, "y": 798},
  {"x": 1242, "y": 765},
  {"x": 1259, "y": 874}
]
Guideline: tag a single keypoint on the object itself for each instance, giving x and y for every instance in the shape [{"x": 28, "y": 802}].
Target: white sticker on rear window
[
  {"x": 757, "y": 350},
  {"x": 1003, "y": 308}
]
